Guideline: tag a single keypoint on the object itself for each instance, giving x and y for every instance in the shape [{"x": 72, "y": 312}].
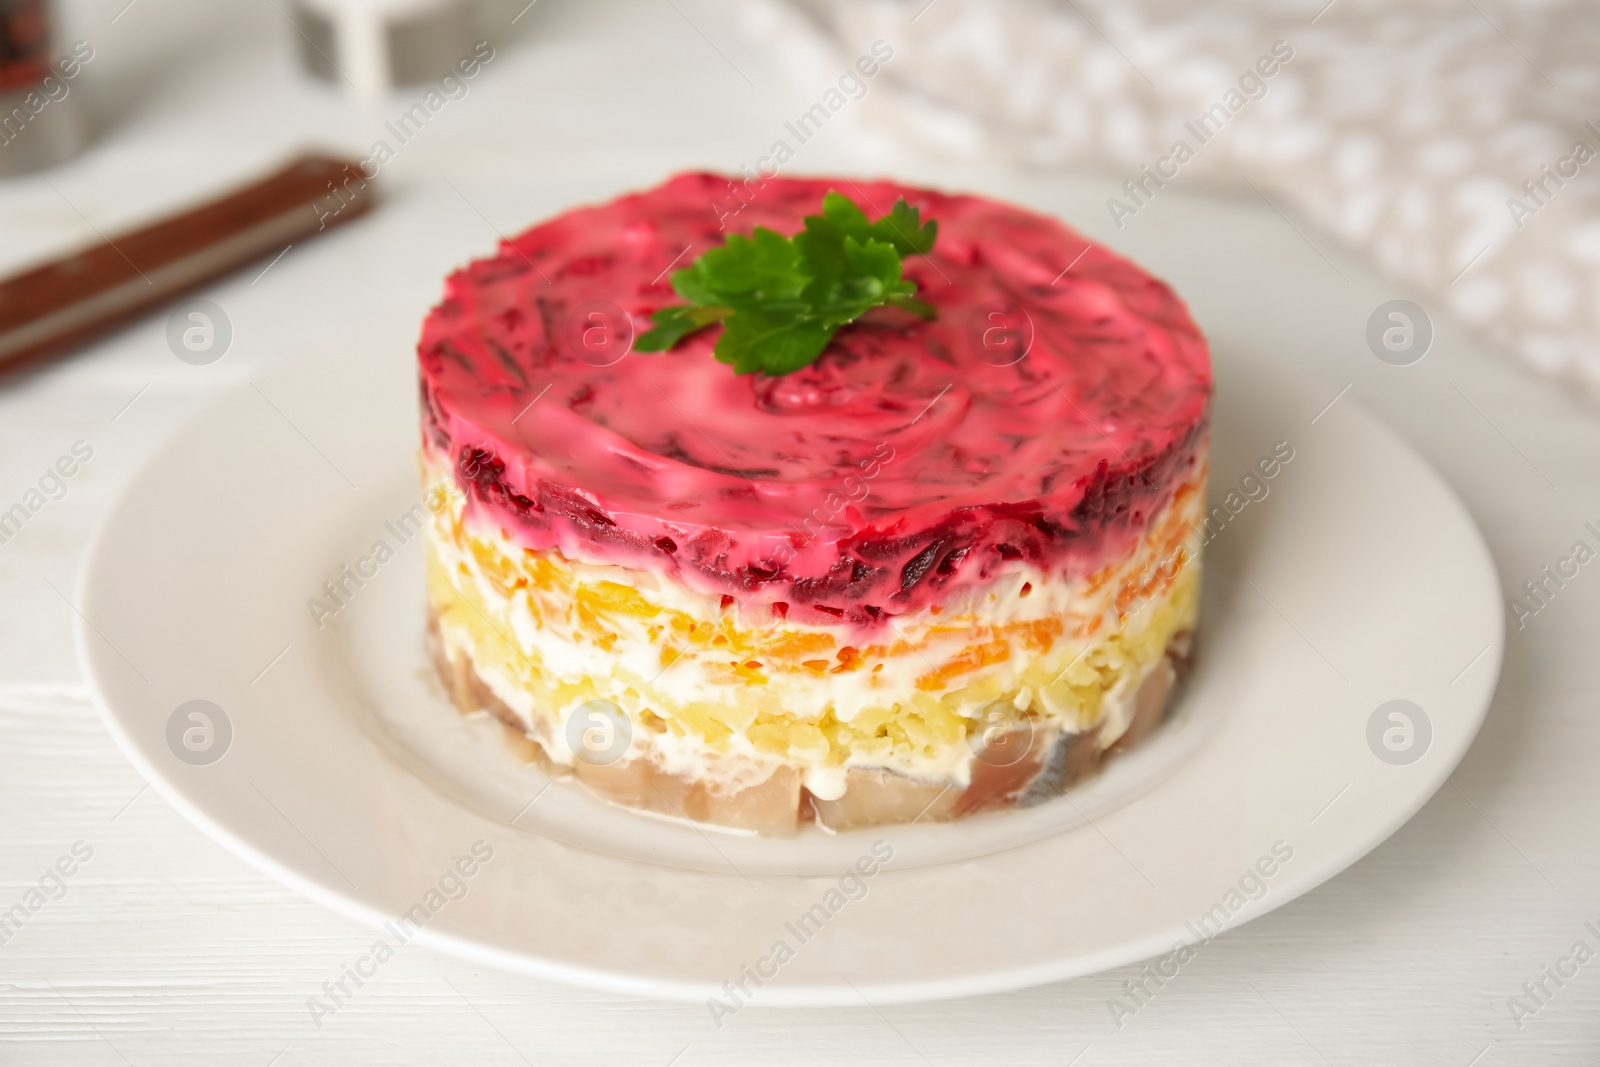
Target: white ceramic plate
[{"x": 337, "y": 766}]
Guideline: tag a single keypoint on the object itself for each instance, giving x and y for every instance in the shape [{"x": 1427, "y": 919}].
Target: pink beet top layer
[{"x": 1052, "y": 407}]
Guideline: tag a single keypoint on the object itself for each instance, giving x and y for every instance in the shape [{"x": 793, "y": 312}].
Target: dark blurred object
[
  {"x": 41, "y": 123},
  {"x": 52, "y": 308},
  {"x": 371, "y": 46},
  {"x": 24, "y": 43}
]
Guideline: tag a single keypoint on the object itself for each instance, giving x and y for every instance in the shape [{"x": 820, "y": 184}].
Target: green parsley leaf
[
  {"x": 781, "y": 299},
  {"x": 901, "y": 228},
  {"x": 674, "y": 323}
]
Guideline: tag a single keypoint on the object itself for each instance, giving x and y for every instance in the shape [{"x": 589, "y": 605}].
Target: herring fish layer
[{"x": 1052, "y": 408}]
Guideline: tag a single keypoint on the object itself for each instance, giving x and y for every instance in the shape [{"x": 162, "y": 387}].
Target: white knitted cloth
[{"x": 1406, "y": 129}]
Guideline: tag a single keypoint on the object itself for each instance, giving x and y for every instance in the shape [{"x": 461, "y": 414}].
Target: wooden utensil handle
[{"x": 51, "y": 308}]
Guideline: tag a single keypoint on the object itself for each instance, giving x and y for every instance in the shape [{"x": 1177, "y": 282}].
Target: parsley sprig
[{"x": 781, "y": 299}]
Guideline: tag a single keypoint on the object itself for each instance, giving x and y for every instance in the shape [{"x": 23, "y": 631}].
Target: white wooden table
[{"x": 164, "y": 949}]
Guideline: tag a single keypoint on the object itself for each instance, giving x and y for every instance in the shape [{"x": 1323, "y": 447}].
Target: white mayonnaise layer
[{"x": 631, "y": 671}]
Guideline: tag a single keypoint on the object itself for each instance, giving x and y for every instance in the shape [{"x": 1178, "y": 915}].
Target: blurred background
[{"x": 1449, "y": 141}]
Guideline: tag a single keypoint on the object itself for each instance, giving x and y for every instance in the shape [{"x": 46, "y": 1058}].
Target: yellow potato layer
[{"x": 902, "y": 701}]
